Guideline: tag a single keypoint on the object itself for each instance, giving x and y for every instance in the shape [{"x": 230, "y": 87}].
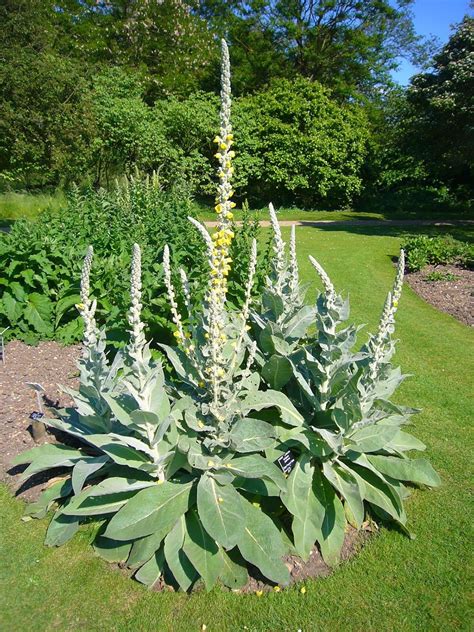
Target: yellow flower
[
  {"x": 220, "y": 499},
  {"x": 233, "y": 205},
  {"x": 218, "y": 208},
  {"x": 220, "y": 372},
  {"x": 231, "y": 154},
  {"x": 247, "y": 328},
  {"x": 259, "y": 593},
  {"x": 303, "y": 590},
  {"x": 217, "y": 139},
  {"x": 395, "y": 303},
  {"x": 218, "y": 156},
  {"x": 210, "y": 464},
  {"x": 177, "y": 335},
  {"x": 215, "y": 236},
  {"x": 201, "y": 385},
  {"x": 229, "y": 215},
  {"x": 200, "y": 424},
  {"x": 276, "y": 588},
  {"x": 222, "y": 146},
  {"x": 187, "y": 334},
  {"x": 206, "y": 335},
  {"x": 80, "y": 305},
  {"x": 229, "y": 137}
]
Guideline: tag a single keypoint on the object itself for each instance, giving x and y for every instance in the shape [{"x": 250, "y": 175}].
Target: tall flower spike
[
  {"x": 381, "y": 342},
  {"x": 176, "y": 316},
  {"x": 137, "y": 337},
  {"x": 278, "y": 247},
  {"x": 294, "y": 275},
  {"x": 326, "y": 281},
  {"x": 87, "y": 307},
  {"x": 204, "y": 233}
]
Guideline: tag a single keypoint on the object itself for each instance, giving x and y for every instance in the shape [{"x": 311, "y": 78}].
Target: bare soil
[
  {"x": 51, "y": 365},
  {"x": 48, "y": 364},
  {"x": 454, "y": 297}
]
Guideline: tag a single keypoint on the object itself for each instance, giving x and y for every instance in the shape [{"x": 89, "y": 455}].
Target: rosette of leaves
[{"x": 352, "y": 449}]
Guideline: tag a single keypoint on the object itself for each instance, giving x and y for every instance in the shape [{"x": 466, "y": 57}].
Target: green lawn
[
  {"x": 394, "y": 584},
  {"x": 15, "y": 205}
]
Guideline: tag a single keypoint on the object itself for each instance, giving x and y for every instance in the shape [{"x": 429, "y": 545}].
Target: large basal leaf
[
  {"x": 151, "y": 509},
  {"x": 252, "y": 435},
  {"x": 11, "y": 308},
  {"x": 332, "y": 527},
  {"x": 47, "y": 456},
  {"x": 347, "y": 485},
  {"x": 38, "y": 313},
  {"x": 302, "y": 503},
  {"x": 262, "y": 545},
  {"x": 88, "y": 505},
  {"x": 61, "y": 529},
  {"x": 59, "y": 489},
  {"x": 111, "y": 550},
  {"x": 371, "y": 438},
  {"x": 277, "y": 371},
  {"x": 234, "y": 573},
  {"x": 178, "y": 563},
  {"x": 273, "y": 399},
  {"x": 403, "y": 441},
  {"x": 220, "y": 511},
  {"x": 256, "y": 466},
  {"x": 418, "y": 471},
  {"x": 85, "y": 468},
  {"x": 202, "y": 550},
  {"x": 380, "y": 493},
  {"x": 150, "y": 572},
  {"x": 144, "y": 548}
]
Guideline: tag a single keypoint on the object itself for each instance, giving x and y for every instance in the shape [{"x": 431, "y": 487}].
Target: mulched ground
[
  {"x": 454, "y": 297},
  {"x": 51, "y": 365},
  {"x": 48, "y": 364}
]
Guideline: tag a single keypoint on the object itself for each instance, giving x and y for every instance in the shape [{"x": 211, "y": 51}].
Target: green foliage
[
  {"x": 441, "y": 111},
  {"x": 44, "y": 259},
  {"x": 294, "y": 141},
  {"x": 437, "y": 275},
  {"x": 182, "y": 473},
  {"x": 422, "y": 250}
]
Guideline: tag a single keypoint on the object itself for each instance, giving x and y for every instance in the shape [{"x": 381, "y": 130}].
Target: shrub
[
  {"x": 436, "y": 275},
  {"x": 182, "y": 474},
  {"x": 422, "y": 250}
]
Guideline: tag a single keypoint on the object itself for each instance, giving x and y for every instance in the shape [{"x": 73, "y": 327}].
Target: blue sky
[{"x": 432, "y": 17}]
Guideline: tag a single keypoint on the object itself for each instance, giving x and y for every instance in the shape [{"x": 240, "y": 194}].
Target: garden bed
[
  {"x": 49, "y": 364},
  {"x": 52, "y": 365},
  {"x": 454, "y": 296}
]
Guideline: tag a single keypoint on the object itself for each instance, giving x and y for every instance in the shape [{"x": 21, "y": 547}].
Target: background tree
[{"x": 441, "y": 111}]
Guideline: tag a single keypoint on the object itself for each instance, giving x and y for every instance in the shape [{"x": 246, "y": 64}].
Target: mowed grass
[
  {"x": 394, "y": 584},
  {"x": 15, "y": 205}
]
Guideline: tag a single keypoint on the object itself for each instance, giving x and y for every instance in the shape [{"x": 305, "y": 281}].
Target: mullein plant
[
  {"x": 181, "y": 474},
  {"x": 351, "y": 450},
  {"x": 126, "y": 447},
  {"x": 222, "y": 437}
]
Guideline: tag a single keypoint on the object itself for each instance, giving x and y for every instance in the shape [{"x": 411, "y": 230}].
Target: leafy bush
[
  {"x": 182, "y": 474},
  {"x": 437, "y": 275},
  {"x": 296, "y": 142},
  {"x": 422, "y": 250}
]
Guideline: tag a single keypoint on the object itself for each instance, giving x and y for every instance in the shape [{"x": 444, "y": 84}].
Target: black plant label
[
  {"x": 286, "y": 462},
  {"x": 36, "y": 416}
]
